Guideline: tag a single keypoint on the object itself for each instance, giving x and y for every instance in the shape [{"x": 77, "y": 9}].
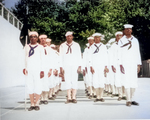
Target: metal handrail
[{"x": 10, "y": 13}]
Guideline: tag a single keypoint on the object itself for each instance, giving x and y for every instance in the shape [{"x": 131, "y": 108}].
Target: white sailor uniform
[
  {"x": 34, "y": 65},
  {"x": 70, "y": 56},
  {"x": 98, "y": 61},
  {"x": 86, "y": 58},
  {"x": 131, "y": 59},
  {"x": 47, "y": 65}
]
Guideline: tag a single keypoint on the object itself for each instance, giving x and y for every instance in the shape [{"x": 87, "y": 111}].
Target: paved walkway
[{"x": 12, "y": 106}]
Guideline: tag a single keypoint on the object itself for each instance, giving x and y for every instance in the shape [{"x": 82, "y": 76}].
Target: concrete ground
[{"x": 12, "y": 106}]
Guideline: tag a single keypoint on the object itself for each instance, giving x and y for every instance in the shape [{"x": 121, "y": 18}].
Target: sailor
[
  {"x": 115, "y": 52},
  {"x": 48, "y": 66},
  {"x": 56, "y": 71},
  {"x": 131, "y": 60},
  {"x": 48, "y": 41},
  {"x": 98, "y": 65},
  {"x": 70, "y": 55},
  {"x": 53, "y": 78},
  {"x": 83, "y": 69},
  {"x": 109, "y": 85},
  {"x": 88, "y": 74},
  {"x": 34, "y": 69}
]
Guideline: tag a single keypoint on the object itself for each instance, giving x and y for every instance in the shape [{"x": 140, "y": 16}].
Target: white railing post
[
  {"x": 8, "y": 16},
  {"x": 13, "y": 21},
  {"x": 2, "y": 11},
  {"x": 17, "y": 24}
]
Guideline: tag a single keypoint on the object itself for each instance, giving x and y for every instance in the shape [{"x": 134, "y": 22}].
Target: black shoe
[
  {"x": 37, "y": 108},
  {"x": 105, "y": 91},
  {"x": 120, "y": 98},
  {"x": 102, "y": 100},
  {"x": 128, "y": 104},
  {"x": 90, "y": 97},
  {"x": 109, "y": 92},
  {"x": 96, "y": 100},
  {"x": 51, "y": 98},
  {"x": 74, "y": 101},
  {"x": 124, "y": 98},
  {"x": 94, "y": 96},
  {"x": 31, "y": 108},
  {"x": 113, "y": 95},
  {"x": 134, "y": 103},
  {"x": 54, "y": 96},
  {"x": 68, "y": 101},
  {"x": 41, "y": 102},
  {"x": 45, "y": 102}
]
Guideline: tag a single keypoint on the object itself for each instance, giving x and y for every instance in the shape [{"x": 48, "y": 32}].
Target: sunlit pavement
[{"x": 12, "y": 106}]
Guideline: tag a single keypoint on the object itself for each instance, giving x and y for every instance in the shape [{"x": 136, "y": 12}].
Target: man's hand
[
  {"x": 55, "y": 72},
  {"x": 113, "y": 69},
  {"x": 138, "y": 68},
  {"x": 79, "y": 70},
  {"x": 25, "y": 72},
  {"x": 122, "y": 69},
  {"x": 106, "y": 70},
  {"x": 83, "y": 72},
  {"x": 86, "y": 70},
  {"x": 50, "y": 73},
  {"x": 41, "y": 74},
  {"x": 61, "y": 71},
  {"x": 92, "y": 70},
  {"x": 62, "y": 74}
]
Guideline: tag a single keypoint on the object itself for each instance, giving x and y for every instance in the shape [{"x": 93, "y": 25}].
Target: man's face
[
  {"x": 69, "y": 38},
  {"x": 97, "y": 39},
  {"x": 119, "y": 36},
  {"x": 43, "y": 40},
  {"x": 91, "y": 41},
  {"x": 48, "y": 43},
  {"x": 33, "y": 39},
  {"x": 128, "y": 31}
]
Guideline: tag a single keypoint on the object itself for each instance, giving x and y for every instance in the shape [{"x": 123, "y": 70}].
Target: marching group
[{"x": 110, "y": 68}]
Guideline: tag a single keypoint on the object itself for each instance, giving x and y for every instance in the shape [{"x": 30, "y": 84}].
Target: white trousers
[
  {"x": 34, "y": 82},
  {"x": 98, "y": 77},
  {"x": 71, "y": 77},
  {"x": 44, "y": 81},
  {"x": 51, "y": 81},
  {"x": 89, "y": 77},
  {"x": 118, "y": 77},
  {"x": 130, "y": 76}
]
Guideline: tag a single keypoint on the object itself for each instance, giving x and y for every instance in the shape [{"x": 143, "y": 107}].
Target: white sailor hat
[
  {"x": 119, "y": 32},
  {"x": 97, "y": 34},
  {"x": 128, "y": 26},
  {"x": 68, "y": 33},
  {"x": 90, "y": 38},
  {"x": 52, "y": 45},
  {"x": 33, "y": 33},
  {"x": 44, "y": 36},
  {"x": 87, "y": 44},
  {"x": 102, "y": 37},
  {"x": 48, "y": 40}
]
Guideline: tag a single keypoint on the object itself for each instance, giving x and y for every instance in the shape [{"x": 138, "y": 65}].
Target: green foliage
[
  {"x": 54, "y": 30},
  {"x": 87, "y": 33}
]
